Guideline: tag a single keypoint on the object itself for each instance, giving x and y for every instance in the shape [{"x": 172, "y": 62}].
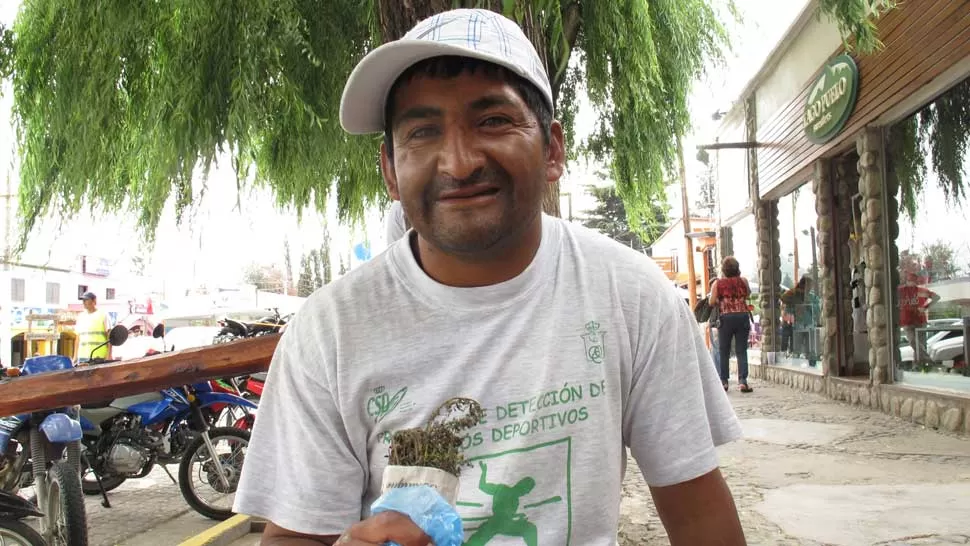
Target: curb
[{"x": 223, "y": 533}]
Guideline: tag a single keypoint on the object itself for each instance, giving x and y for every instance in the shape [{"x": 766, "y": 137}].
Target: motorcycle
[
  {"x": 127, "y": 437},
  {"x": 13, "y": 531},
  {"x": 237, "y": 329},
  {"x": 43, "y": 449}
]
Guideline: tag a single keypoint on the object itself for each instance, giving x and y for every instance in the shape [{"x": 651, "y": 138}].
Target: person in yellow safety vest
[{"x": 91, "y": 330}]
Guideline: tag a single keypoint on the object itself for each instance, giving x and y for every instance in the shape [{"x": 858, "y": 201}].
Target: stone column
[
  {"x": 825, "y": 211},
  {"x": 834, "y": 183},
  {"x": 766, "y": 221},
  {"x": 769, "y": 273},
  {"x": 871, "y": 185},
  {"x": 846, "y": 184}
]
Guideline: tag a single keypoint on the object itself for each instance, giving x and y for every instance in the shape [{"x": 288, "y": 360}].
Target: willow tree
[{"x": 125, "y": 105}]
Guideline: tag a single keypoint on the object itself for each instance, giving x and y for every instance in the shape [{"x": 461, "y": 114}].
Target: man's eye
[
  {"x": 495, "y": 121},
  {"x": 423, "y": 132}
]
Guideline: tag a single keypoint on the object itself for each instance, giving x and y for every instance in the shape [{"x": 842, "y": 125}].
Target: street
[{"x": 808, "y": 472}]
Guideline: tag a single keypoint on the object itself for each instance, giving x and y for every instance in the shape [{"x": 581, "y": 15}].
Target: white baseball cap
[{"x": 476, "y": 33}]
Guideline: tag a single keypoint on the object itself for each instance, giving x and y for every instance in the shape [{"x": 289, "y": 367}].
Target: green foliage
[
  {"x": 857, "y": 19},
  {"x": 438, "y": 443},
  {"x": 641, "y": 59},
  {"x": 124, "y": 106},
  {"x": 610, "y": 218},
  {"x": 305, "y": 286},
  {"x": 937, "y": 136}
]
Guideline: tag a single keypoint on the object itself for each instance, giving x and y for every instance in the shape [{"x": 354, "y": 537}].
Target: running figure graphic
[{"x": 505, "y": 519}]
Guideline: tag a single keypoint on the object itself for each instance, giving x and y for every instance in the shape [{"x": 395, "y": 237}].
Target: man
[
  {"x": 576, "y": 346},
  {"x": 91, "y": 330}
]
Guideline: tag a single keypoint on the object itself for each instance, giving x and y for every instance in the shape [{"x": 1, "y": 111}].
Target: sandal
[
  {"x": 743, "y": 387},
  {"x": 725, "y": 385}
]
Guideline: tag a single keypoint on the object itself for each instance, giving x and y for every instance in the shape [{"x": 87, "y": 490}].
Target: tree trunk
[{"x": 399, "y": 16}]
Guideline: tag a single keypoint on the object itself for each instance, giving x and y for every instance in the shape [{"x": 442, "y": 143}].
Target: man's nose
[{"x": 460, "y": 156}]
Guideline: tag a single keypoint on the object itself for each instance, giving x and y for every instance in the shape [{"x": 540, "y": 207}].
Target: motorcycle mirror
[
  {"x": 118, "y": 335},
  {"x": 158, "y": 331}
]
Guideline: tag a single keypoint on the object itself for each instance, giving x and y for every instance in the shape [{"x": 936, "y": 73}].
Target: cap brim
[{"x": 362, "y": 103}]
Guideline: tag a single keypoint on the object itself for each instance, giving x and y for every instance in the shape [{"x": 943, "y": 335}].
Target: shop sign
[{"x": 831, "y": 99}]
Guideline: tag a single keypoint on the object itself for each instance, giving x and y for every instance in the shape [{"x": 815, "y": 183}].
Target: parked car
[{"x": 944, "y": 347}]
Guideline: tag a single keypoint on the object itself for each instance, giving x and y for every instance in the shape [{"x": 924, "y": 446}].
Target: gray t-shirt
[
  {"x": 589, "y": 350},
  {"x": 394, "y": 225}
]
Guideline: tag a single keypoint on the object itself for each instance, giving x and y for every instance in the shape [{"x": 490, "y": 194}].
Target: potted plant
[{"x": 431, "y": 455}]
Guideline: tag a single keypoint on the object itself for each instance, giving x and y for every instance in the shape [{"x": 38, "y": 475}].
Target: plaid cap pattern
[{"x": 475, "y": 33}]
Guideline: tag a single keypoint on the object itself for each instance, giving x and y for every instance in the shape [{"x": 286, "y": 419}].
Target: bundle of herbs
[{"x": 438, "y": 443}]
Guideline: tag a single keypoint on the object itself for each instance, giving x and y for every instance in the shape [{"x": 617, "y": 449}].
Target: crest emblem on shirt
[
  {"x": 593, "y": 339},
  {"x": 383, "y": 402}
]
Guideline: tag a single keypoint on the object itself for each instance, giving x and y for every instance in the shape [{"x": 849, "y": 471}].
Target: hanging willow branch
[
  {"x": 857, "y": 21},
  {"x": 937, "y": 136},
  {"x": 124, "y": 106}
]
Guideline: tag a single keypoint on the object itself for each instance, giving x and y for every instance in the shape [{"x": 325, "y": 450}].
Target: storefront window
[
  {"x": 800, "y": 332},
  {"x": 928, "y": 161}
]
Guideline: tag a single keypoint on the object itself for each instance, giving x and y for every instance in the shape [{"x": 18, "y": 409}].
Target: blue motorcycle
[
  {"x": 127, "y": 437},
  {"x": 43, "y": 449}
]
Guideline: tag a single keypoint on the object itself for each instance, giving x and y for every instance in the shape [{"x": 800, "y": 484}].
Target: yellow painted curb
[{"x": 223, "y": 533}]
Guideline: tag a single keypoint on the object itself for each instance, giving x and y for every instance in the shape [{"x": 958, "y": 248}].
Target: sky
[{"x": 208, "y": 249}]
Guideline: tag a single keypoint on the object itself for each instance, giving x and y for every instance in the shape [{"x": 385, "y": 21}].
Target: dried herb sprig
[{"x": 438, "y": 443}]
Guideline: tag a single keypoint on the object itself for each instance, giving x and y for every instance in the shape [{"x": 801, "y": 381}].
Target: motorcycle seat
[{"x": 97, "y": 405}]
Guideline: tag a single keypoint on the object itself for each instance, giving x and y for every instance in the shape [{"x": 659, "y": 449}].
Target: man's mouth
[{"x": 469, "y": 192}]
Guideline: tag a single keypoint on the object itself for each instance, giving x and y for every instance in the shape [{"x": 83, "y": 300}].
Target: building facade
[
  {"x": 39, "y": 304},
  {"x": 848, "y": 172}
]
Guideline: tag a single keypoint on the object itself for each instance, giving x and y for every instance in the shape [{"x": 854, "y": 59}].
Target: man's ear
[
  {"x": 556, "y": 153},
  {"x": 387, "y": 171}
]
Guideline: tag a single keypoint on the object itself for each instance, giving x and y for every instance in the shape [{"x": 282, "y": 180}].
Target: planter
[{"x": 444, "y": 483}]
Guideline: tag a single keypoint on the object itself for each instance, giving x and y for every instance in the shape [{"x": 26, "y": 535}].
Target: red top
[
  {"x": 912, "y": 305},
  {"x": 732, "y": 295}
]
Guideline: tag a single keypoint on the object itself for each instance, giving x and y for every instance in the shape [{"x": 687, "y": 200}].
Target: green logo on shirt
[
  {"x": 383, "y": 403},
  {"x": 518, "y": 492},
  {"x": 595, "y": 347}
]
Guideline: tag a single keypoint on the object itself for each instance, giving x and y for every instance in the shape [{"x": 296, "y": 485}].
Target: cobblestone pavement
[{"x": 814, "y": 472}]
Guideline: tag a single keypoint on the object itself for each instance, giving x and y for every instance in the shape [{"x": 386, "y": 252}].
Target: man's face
[
  {"x": 470, "y": 162},
  {"x": 90, "y": 305}
]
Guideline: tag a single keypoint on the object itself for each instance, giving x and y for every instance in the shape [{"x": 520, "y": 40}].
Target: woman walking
[{"x": 730, "y": 295}]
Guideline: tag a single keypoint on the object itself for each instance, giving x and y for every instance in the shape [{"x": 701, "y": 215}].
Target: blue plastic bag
[{"x": 427, "y": 509}]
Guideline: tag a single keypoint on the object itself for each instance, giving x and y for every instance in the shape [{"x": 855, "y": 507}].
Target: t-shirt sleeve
[
  {"x": 394, "y": 223},
  {"x": 301, "y": 472},
  {"x": 677, "y": 411}
]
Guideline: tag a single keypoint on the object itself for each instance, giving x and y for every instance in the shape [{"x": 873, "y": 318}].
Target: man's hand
[{"x": 382, "y": 528}]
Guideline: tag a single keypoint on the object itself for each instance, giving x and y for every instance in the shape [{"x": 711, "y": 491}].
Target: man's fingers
[{"x": 388, "y": 527}]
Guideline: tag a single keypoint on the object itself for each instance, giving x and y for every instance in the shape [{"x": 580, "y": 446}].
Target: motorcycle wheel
[
  {"x": 18, "y": 533},
  {"x": 65, "y": 517},
  {"x": 198, "y": 452}
]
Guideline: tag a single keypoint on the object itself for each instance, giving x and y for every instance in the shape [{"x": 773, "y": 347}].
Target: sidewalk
[{"x": 811, "y": 471}]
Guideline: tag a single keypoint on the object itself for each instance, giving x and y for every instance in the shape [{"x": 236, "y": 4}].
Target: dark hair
[
  {"x": 450, "y": 66},
  {"x": 804, "y": 281},
  {"x": 730, "y": 267}
]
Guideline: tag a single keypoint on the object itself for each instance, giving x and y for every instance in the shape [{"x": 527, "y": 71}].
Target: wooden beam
[{"x": 97, "y": 383}]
